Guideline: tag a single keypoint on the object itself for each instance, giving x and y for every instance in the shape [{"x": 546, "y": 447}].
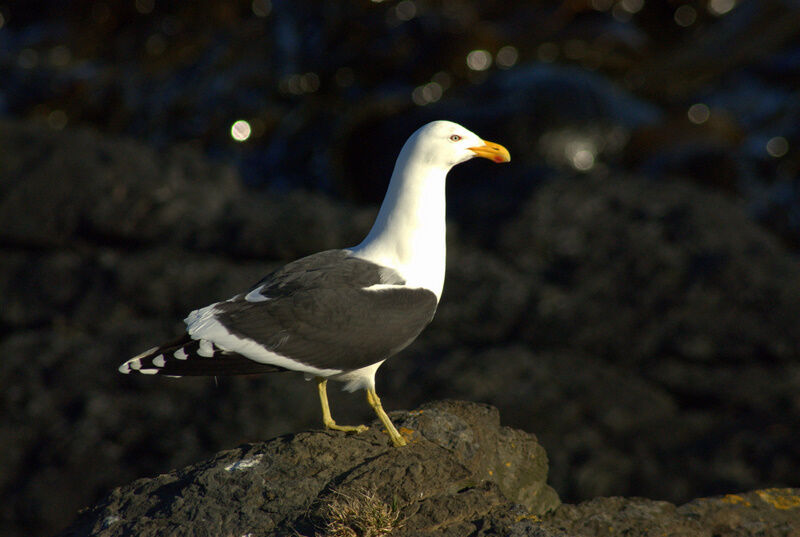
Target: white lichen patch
[
  {"x": 110, "y": 521},
  {"x": 244, "y": 464}
]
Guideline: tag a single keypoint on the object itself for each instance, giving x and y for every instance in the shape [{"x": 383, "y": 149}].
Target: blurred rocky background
[{"x": 628, "y": 289}]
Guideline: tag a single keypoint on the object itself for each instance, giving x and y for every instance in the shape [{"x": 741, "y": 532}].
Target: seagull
[{"x": 339, "y": 314}]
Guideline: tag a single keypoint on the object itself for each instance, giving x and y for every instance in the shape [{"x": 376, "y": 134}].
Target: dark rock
[
  {"x": 459, "y": 467},
  {"x": 719, "y": 49},
  {"x": 646, "y": 330},
  {"x": 317, "y": 85},
  {"x": 689, "y": 275},
  {"x": 769, "y": 512},
  {"x": 461, "y": 474},
  {"x": 658, "y": 359},
  {"x": 673, "y": 297},
  {"x": 105, "y": 245},
  {"x": 663, "y": 294},
  {"x": 125, "y": 195}
]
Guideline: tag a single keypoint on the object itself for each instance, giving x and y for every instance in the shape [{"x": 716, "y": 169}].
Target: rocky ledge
[{"x": 461, "y": 474}]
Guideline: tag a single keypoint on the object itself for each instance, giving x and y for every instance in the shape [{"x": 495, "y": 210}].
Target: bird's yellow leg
[
  {"x": 375, "y": 402},
  {"x": 327, "y": 419}
]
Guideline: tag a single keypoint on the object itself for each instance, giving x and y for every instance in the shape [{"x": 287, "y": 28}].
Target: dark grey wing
[
  {"x": 314, "y": 311},
  {"x": 328, "y": 268},
  {"x": 337, "y": 327}
]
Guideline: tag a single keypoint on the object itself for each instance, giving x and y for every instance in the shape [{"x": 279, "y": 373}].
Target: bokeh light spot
[
  {"x": 298, "y": 84},
  {"x": 720, "y": 7},
  {"x": 309, "y": 82},
  {"x": 632, "y": 6},
  {"x": 777, "y": 146},
  {"x": 582, "y": 160},
  {"x": 443, "y": 78},
  {"x": 685, "y": 15},
  {"x": 427, "y": 93},
  {"x": 479, "y": 60},
  {"x": 698, "y": 113},
  {"x": 507, "y": 57},
  {"x": 602, "y": 5},
  {"x": 432, "y": 91},
  {"x": 261, "y": 8},
  {"x": 405, "y": 10},
  {"x": 57, "y": 119},
  {"x": 580, "y": 152},
  {"x": 621, "y": 14},
  {"x": 240, "y": 130}
]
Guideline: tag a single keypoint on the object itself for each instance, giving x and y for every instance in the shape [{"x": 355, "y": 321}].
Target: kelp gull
[{"x": 339, "y": 314}]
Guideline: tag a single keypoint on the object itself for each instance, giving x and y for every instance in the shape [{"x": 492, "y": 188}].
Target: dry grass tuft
[{"x": 360, "y": 513}]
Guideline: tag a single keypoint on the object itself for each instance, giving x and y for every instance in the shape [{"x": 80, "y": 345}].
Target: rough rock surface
[
  {"x": 459, "y": 467},
  {"x": 767, "y": 512},
  {"x": 462, "y": 474}
]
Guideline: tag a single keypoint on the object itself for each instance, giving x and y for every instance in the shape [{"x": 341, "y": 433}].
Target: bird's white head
[
  {"x": 409, "y": 232},
  {"x": 445, "y": 144}
]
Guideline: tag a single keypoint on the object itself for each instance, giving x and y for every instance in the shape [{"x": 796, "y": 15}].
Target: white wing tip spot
[
  {"x": 159, "y": 361},
  {"x": 135, "y": 363}
]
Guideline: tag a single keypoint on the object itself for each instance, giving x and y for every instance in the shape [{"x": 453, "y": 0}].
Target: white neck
[{"x": 409, "y": 232}]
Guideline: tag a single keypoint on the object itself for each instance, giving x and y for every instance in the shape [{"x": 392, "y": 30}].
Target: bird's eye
[{"x": 455, "y": 138}]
